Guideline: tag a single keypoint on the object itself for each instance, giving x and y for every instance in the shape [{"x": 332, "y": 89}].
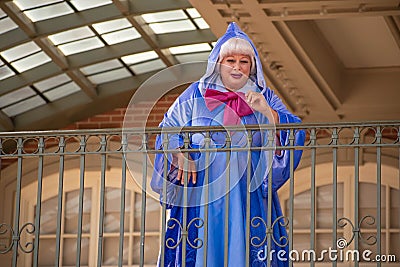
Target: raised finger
[
  {"x": 179, "y": 175},
  {"x": 250, "y": 98},
  {"x": 194, "y": 177},
  {"x": 184, "y": 173}
]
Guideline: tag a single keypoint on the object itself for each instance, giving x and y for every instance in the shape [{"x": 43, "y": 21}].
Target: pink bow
[{"x": 236, "y": 107}]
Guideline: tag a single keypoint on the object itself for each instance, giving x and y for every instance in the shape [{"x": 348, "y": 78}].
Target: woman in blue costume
[{"x": 232, "y": 92}]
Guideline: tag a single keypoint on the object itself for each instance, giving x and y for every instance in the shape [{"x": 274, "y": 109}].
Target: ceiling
[
  {"x": 63, "y": 61},
  {"x": 329, "y": 60}
]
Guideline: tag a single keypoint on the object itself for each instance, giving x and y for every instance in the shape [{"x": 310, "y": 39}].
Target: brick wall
[
  {"x": 111, "y": 119},
  {"x": 115, "y": 118}
]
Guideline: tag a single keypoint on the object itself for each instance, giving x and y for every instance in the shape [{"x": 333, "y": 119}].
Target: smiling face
[{"x": 235, "y": 70}]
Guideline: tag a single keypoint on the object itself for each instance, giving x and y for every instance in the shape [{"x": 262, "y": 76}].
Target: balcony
[{"x": 83, "y": 198}]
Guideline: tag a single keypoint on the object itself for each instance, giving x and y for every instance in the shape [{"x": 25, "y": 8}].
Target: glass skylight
[
  {"x": 114, "y": 28},
  {"x": 193, "y": 57},
  {"x": 81, "y": 46},
  {"x": 31, "y": 62},
  {"x": 62, "y": 91},
  {"x": 6, "y": 24},
  {"x": 20, "y": 51},
  {"x": 121, "y": 36},
  {"x": 189, "y": 48},
  {"x": 172, "y": 26},
  {"x": 28, "y": 4},
  {"x": 26, "y": 56},
  {"x": 15, "y": 96},
  {"x": 52, "y": 82},
  {"x": 71, "y": 35},
  {"x": 101, "y": 67},
  {"x": 57, "y": 87},
  {"x": 87, "y": 4},
  {"x": 193, "y": 13},
  {"x": 5, "y": 71},
  {"x": 164, "y": 16},
  {"x": 112, "y": 25},
  {"x": 45, "y": 12},
  {"x": 76, "y": 40},
  {"x": 140, "y": 57},
  {"x": 201, "y": 23},
  {"x": 24, "y": 106},
  {"x": 107, "y": 71},
  {"x": 110, "y": 76},
  {"x": 148, "y": 66}
]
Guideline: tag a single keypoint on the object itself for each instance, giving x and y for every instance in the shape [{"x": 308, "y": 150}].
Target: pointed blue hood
[{"x": 233, "y": 31}]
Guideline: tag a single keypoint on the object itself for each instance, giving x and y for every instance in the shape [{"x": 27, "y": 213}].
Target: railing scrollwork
[
  {"x": 15, "y": 237},
  {"x": 257, "y": 221},
  {"x": 172, "y": 223},
  {"x": 356, "y": 229}
]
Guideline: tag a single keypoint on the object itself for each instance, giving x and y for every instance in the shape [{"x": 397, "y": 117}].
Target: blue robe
[{"x": 190, "y": 110}]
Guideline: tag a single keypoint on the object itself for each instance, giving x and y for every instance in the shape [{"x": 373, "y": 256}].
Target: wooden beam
[
  {"x": 88, "y": 17},
  {"x": 80, "y": 60},
  {"x": 6, "y": 124},
  {"x": 146, "y": 32},
  {"x": 57, "y": 57},
  {"x": 393, "y": 24}
]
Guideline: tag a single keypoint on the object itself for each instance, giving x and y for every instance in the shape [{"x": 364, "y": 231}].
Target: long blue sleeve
[
  {"x": 281, "y": 162},
  {"x": 178, "y": 115}
]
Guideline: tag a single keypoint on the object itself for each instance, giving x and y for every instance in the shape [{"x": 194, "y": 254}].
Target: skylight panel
[
  {"x": 139, "y": 57},
  {"x": 15, "y": 96},
  {"x": 52, "y": 82},
  {"x": 192, "y": 57},
  {"x": 121, "y": 36},
  {"x": 85, "y": 4},
  {"x": 48, "y": 12},
  {"x": 24, "y": 106},
  {"x": 109, "y": 76},
  {"x": 25, "y": 56},
  {"x": 172, "y": 26},
  {"x": 28, "y": 4},
  {"x": 193, "y": 13},
  {"x": 100, "y": 67},
  {"x": 71, "y": 35},
  {"x": 201, "y": 23},
  {"x": 62, "y": 91},
  {"x": 189, "y": 48},
  {"x": 5, "y": 72},
  {"x": 164, "y": 16},
  {"x": 31, "y": 62},
  {"x": 7, "y": 24},
  {"x": 148, "y": 66},
  {"x": 80, "y": 46},
  {"x": 113, "y": 25},
  {"x": 20, "y": 51}
]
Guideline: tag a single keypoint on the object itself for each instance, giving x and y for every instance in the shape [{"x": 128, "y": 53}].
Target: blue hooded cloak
[{"x": 190, "y": 109}]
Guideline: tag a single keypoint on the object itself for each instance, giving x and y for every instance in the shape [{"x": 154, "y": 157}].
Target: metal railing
[{"x": 376, "y": 142}]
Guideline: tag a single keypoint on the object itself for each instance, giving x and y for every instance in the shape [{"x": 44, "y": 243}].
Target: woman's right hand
[{"x": 179, "y": 162}]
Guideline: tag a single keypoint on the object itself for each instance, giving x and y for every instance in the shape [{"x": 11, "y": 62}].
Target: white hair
[{"x": 237, "y": 46}]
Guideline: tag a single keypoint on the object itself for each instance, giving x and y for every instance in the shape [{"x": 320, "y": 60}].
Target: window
[
  {"x": 324, "y": 219},
  {"x": 90, "y": 225}
]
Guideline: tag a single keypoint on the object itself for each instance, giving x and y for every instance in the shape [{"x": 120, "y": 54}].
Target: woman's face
[{"x": 235, "y": 70}]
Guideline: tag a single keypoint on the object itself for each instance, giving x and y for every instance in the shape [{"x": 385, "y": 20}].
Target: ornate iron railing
[{"x": 19, "y": 238}]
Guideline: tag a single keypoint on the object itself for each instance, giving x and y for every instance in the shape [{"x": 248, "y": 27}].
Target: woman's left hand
[{"x": 258, "y": 102}]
